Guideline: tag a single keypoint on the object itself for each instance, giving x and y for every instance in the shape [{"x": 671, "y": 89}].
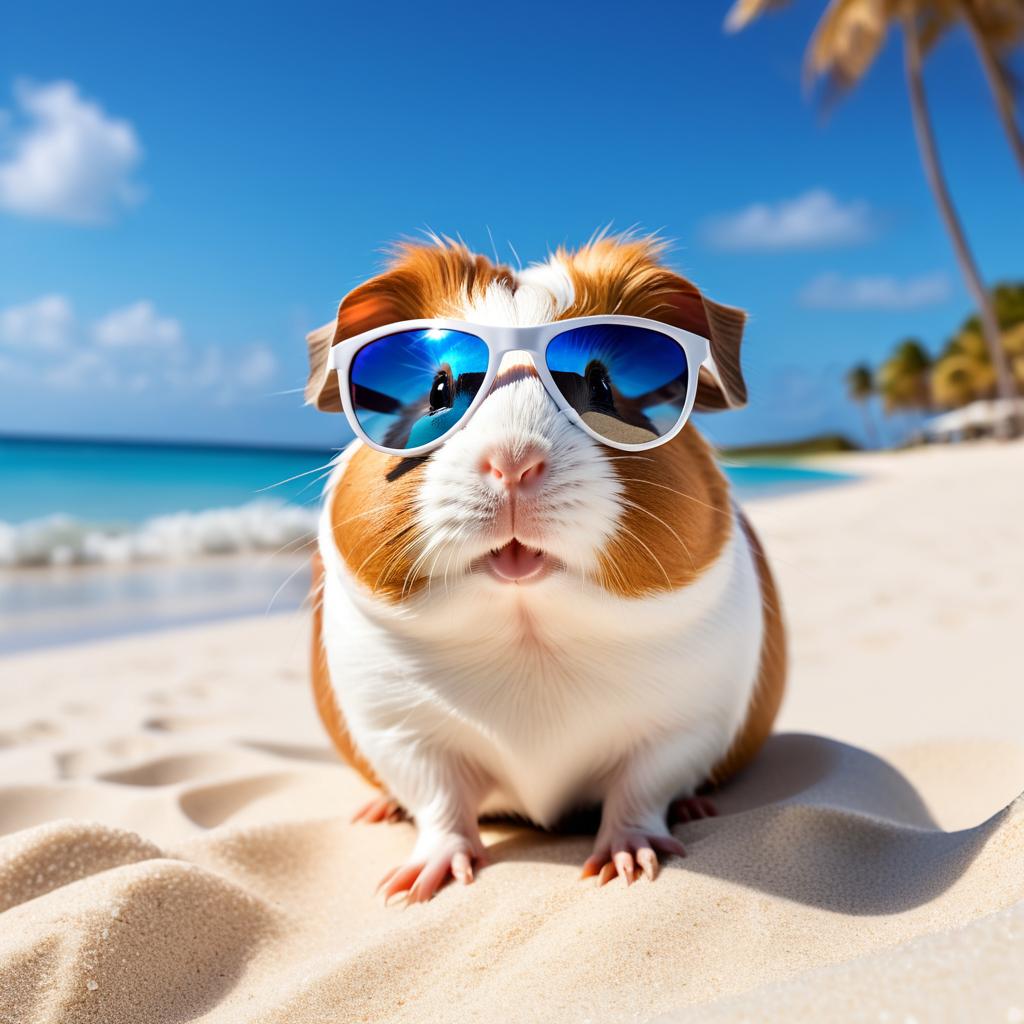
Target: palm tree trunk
[
  {"x": 1002, "y": 90},
  {"x": 940, "y": 190}
]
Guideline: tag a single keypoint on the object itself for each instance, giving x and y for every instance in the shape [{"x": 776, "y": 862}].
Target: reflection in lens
[
  {"x": 628, "y": 384},
  {"x": 411, "y": 388}
]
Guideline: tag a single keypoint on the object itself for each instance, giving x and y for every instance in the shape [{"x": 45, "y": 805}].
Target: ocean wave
[{"x": 265, "y": 526}]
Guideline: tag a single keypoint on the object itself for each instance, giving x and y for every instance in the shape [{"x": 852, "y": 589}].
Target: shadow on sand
[{"x": 812, "y": 820}]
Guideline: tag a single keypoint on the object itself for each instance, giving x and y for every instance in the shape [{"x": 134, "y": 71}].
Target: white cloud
[
  {"x": 139, "y": 325},
  {"x": 130, "y": 350},
  {"x": 256, "y": 367},
  {"x": 833, "y": 291},
  {"x": 813, "y": 220},
  {"x": 70, "y": 160},
  {"x": 45, "y": 324},
  {"x": 79, "y": 369}
]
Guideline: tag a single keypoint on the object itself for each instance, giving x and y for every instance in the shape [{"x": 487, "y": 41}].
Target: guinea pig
[{"x": 526, "y": 620}]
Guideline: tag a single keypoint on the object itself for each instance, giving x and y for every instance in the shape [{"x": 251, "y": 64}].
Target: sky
[{"x": 185, "y": 190}]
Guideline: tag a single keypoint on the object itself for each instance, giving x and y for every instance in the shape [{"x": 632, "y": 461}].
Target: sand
[{"x": 175, "y": 845}]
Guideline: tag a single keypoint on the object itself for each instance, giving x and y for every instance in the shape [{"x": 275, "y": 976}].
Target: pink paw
[
  {"x": 380, "y": 808},
  {"x": 691, "y": 808},
  {"x": 629, "y": 852},
  {"x": 450, "y": 857}
]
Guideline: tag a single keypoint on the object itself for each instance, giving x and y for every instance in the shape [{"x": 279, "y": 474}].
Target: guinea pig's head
[{"x": 520, "y": 498}]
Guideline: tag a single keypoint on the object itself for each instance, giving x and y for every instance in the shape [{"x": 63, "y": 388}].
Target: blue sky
[{"x": 184, "y": 191}]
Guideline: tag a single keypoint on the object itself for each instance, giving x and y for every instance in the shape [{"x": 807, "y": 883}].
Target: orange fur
[
  {"x": 676, "y": 521},
  {"x": 373, "y": 519}
]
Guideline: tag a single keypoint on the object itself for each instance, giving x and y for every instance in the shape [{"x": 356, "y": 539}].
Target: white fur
[{"x": 480, "y": 696}]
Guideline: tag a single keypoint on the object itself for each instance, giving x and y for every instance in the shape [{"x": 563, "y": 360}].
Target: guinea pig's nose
[{"x": 514, "y": 469}]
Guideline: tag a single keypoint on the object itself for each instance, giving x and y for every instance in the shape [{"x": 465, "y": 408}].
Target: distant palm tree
[
  {"x": 860, "y": 385},
  {"x": 959, "y": 378},
  {"x": 845, "y": 44},
  {"x": 903, "y": 379}
]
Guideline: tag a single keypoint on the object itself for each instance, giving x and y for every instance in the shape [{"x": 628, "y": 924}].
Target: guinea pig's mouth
[{"x": 514, "y": 562}]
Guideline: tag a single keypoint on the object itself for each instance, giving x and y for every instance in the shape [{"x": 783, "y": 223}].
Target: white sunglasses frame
[{"x": 532, "y": 341}]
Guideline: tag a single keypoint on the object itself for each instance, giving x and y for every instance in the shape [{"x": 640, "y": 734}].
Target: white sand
[{"x": 174, "y": 843}]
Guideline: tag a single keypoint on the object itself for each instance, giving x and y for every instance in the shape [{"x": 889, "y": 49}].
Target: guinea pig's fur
[{"x": 648, "y": 661}]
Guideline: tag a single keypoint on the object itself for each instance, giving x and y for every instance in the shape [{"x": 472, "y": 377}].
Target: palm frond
[{"x": 847, "y": 41}]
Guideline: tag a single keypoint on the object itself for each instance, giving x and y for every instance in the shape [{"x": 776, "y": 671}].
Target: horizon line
[{"x": 157, "y": 442}]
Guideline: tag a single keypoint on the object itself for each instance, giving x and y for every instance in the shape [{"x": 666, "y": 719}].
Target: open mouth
[{"x": 516, "y": 563}]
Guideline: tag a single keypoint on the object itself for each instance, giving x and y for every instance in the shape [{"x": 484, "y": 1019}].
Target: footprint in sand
[
  {"x": 183, "y": 723},
  {"x": 168, "y": 771},
  {"x": 77, "y": 764},
  {"x": 28, "y": 733},
  {"x": 212, "y": 805}
]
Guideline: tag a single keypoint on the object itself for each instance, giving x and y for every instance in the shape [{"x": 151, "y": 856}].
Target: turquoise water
[
  {"x": 102, "y": 482},
  {"x": 111, "y": 483}
]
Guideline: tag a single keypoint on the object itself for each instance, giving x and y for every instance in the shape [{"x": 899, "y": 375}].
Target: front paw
[
  {"x": 625, "y": 851},
  {"x": 433, "y": 862}
]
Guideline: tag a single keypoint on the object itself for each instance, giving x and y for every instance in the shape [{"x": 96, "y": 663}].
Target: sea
[{"x": 102, "y": 538}]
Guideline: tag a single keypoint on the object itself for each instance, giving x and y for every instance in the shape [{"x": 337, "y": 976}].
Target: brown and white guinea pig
[{"x": 644, "y": 659}]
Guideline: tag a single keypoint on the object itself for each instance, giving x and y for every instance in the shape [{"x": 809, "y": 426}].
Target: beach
[{"x": 175, "y": 841}]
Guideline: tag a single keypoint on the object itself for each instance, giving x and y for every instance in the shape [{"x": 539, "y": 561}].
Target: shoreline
[{"x": 60, "y": 606}]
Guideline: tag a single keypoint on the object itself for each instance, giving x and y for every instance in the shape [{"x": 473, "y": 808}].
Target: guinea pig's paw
[
  {"x": 691, "y": 808},
  {"x": 627, "y": 852},
  {"x": 432, "y": 863},
  {"x": 381, "y": 808}
]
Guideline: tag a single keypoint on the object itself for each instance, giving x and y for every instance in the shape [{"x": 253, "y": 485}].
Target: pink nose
[{"x": 514, "y": 470}]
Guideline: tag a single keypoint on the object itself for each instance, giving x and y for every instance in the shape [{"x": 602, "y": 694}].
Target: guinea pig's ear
[
  {"x": 322, "y": 385},
  {"x": 360, "y": 310},
  {"x": 722, "y": 385}
]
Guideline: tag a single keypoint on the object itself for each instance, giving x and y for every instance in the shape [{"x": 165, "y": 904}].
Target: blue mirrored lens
[
  {"x": 629, "y": 384},
  {"x": 411, "y": 388}
]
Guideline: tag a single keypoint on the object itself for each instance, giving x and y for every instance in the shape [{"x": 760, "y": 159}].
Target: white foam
[{"x": 63, "y": 540}]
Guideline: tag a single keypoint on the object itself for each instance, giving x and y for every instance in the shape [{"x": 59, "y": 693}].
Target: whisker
[
  {"x": 626, "y": 458},
  {"x": 298, "y": 476},
  {"x": 682, "y": 494},
  {"x": 288, "y": 579},
  {"x": 287, "y": 548},
  {"x": 316, "y": 480},
  {"x": 658, "y": 519},
  {"x": 395, "y": 559},
  {"x": 654, "y": 557}
]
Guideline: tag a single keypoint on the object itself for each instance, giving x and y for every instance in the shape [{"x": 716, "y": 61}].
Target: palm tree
[
  {"x": 860, "y": 385},
  {"x": 959, "y": 378},
  {"x": 903, "y": 379},
  {"x": 845, "y": 43}
]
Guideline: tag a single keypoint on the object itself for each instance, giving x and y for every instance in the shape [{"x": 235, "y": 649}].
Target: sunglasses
[{"x": 626, "y": 381}]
